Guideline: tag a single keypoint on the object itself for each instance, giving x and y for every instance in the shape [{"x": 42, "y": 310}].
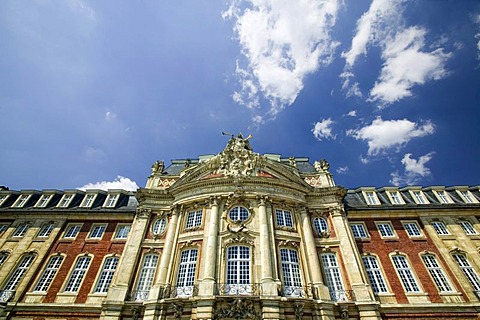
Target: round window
[
  {"x": 238, "y": 214},
  {"x": 159, "y": 226}
]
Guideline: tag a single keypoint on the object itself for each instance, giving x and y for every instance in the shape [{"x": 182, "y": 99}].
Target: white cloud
[
  {"x": 323, "y": 130},
  {"x": 119, "y": 183},
  {"x": 352, "y": 113},
  {"x": 280, "y": 49},
  {"x": 382, "y": 135},
  {"x": 414, "y": 170},
  {"x": 406, "y": 63},
  {"x": 342, "y": 170},
  {"x": 476, "y": 20},
  {"x": 109, "y": 116}
]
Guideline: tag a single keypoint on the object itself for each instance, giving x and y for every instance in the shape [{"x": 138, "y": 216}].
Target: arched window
[
  {"x": 320, "y": 225},
  {"x": 467, "y": 270},
  {"x": 186, "y": 273},
  {"x": 292, "y": 282},
  {"x": 49, "y": 273},
  {"x": 159, "y": 226},
  {"x": 238, "y": 270},
  {"x": 437, "y": 273},
  {"x": 375, "y": 275},
  {"x": 78, "y": 273},
  {"x": 147, "y": 274},
  {"x": 19, "y": 272},
  {"x": 3, "y": 257},
  {"x": 405, "y": 273},
  {"x": 238, "y": 214},
  {"x": 106, "y": 276},
  {"x": 333, "y": 277}
]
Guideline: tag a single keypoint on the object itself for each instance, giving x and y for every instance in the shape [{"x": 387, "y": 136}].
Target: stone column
[
  {"x": 210, "y": 251},
  {"x": 351, "y": 255},
  {"x": 312, "y": 256},
  {"x": 268, "y": 284},
  {"x": 117, "y": 293}
]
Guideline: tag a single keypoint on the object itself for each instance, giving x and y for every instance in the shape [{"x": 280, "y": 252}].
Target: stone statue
[{"x": 158, "y": 167}]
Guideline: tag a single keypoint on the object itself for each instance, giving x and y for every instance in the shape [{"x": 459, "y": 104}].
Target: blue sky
[{"x": 93, "y": 92}]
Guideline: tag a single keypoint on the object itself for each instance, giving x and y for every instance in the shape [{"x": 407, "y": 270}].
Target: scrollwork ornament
[
  {"x": 177, "y": 309},
  {"x": 144, "y": 212},
  {"x": 289, "y": 243},
  {"x": 298, "y": 309}
]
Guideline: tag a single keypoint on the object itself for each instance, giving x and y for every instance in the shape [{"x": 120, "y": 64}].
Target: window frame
[
  {"x": 240, "y": 214},
  {"x": 392, "y": 198},
  {"x": 406, "y": 275},
  {"x": 21, "y": 201},
  {"x": 146, "y": 276},
  {"x": 109, "y": 202},
  {"x": 371, "y": 197},
  {"x": 21, "y": 230},
  {"x": 162, "y": 226},
  {"x": 291, "y": 272},
  {"x": 106, "y": 274},
  {"x": 437, "y": 273},
  {"x": 333, "y": 276},
  {"x": 187, "y": 272},
  {"x": 440, "y": 228},
  {"x": 468, "y": 227},
  {"x": 65, "y": 203},
  {"x": 360, "y": 225},
  {"x": 48, "y": 274},
  {"x": 17, "y": 275},
  {"x": 237, "y": 281},
  {"x": 77, "y": 274},
  {"x": 3, "y": 257},
  {"x": 472, "y": 274},
  {"x": 118, "y": 231},
  {"x": 88, "y": 200},
  {"x": 419, "y": 197},
  {"x": 417, "y": 226},
  {"x": 42, "y": 201},
  {"x": 318, "y": 226},
  {"x": 3, "y": 198},
  {"x": 375, "y": 274},
  {"x": 94, "y": 228},
  {"x": 467, "y": 196},
  {"x": 443, "y": 197},
  {"x": 46, "y": 230},
  {"x": 386, "y": 226},
  {"x": 196, "y": 220},
  {"x": 67, "y": 229},
  {"x": 284, "y": 218}
]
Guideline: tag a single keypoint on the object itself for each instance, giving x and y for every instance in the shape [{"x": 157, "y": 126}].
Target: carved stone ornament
[
  {"x": 240, "y": 237},
  {"x": 321, "y": 166},
  {"x": 336, "y": 211},
  {"x": 237, "y": 159},
  {"x": 158, "y": 167},
  {"x": 298, "y": 308},
  {"x": 177, "y": 309},
  {"x": 188, "y": 243},
  {"x": 344, "y": 313},
  {"x": 144, "y": 212},
  {"x": 236, "y": 309},
  {"x": 289, "y": 243}
]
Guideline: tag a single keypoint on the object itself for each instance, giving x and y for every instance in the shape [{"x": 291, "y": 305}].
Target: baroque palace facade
[{"x": 240, "y": 235}]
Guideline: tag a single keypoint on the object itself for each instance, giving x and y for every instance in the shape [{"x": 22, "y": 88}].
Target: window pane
[
  {"x": 78, "y": 273},
  {"x": 405, "y": 274},
  {"x": 437, "y": 273},
  {"x": 49, "y": 273},
  {"x": 374, "y": 274},
  {"x": 19, "y": 272},
  {"x": 106, "y": 276}
]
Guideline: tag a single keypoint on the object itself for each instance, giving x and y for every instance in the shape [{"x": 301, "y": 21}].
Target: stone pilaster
[{"x": 269, "y": 286}]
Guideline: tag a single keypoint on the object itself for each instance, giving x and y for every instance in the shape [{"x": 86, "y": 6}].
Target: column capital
[
  {"x": 213, "y": 201},
  {"x": 337, "y": 211},
  {"x": 264, "y": 200},
  {"x": 144, "y": 212}
]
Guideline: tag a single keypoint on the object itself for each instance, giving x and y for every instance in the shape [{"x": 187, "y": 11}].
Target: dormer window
[
  {"x": 371, "y": 198},
  {"x": 396, "y": 197},
  {"x": 3, "y": 198},
  {"x": 88, "y": 200},
  {"x": 418, "y": 197},
  {"x": 65, "y": 201},
  {"x": 21, "y": 200},
  {"x": 111, "y": 201},
  {"x": 44, "y": 199},
  {"x": 442, "y": 196},
  {"x": 467, "y": 196}
]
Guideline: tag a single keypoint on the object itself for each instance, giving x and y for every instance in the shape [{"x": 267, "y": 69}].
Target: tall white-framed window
[
  {"x": 146, "y": 277},
  {"x": 375, "y": 274},
  {"x": 437, "y": 273},
  {"x": 77, "y": 274},
  {"x": 238, "y": 214},
  {"x": 97, "y": 231},
  {"x": 21, "y": 230},
  {"x": 467, "y": 270},
  {"x": 194, "y": 219},
  {"x": 21, "y": 201},
  {"x": 358, "y": 230},
  {"x": 122, "y": 231},
  {"x": 186, "y": 273},
  {"x": 440, "y": 228},
  {"x": 88, "y": 200},
  {"x": 292, "y": 281},
  {"x": 412, "y": 228},
  {"x": 320, "y": 224},
  {"x": 65, "y": 201},
  {"x": 442, "y": 196},
  {"x": 468, "y": 227},
  {"x": 49, "y": 273},
  {"x": 160, "y": 225},
  {"x": 418, "y": 197},
  {"x": 333, "y": 277},
  {"x": 72, "y": 230},
  {"x": 19, "y": 272},
  {"x": 396, "y": 197},
  {"x": 284, "y": 218},
  {"x": 385, "y": 229},
  {"x": 405, "y": 273},
  {"x": 46, "y": 230},
  {"x": 3, "y": 257},
  {"x": 106, "y": 276},
  {"x": 43, "y": 201},
  {"x": 111, "y": 200},
  {"x": 238, "y": 270},
  {"x": 3, "y": 228}
]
